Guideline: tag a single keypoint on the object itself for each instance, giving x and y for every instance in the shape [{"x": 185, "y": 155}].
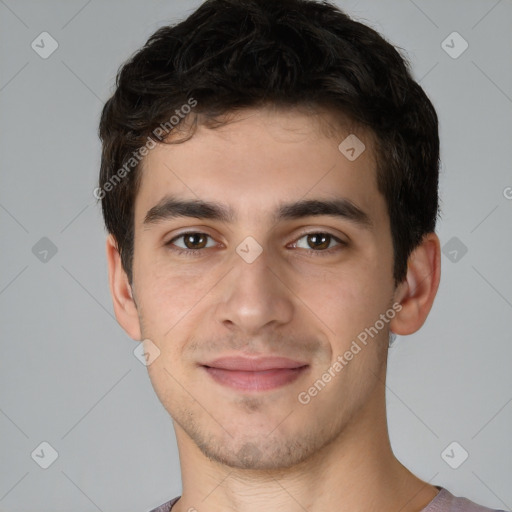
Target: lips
[
  {"x": 254, "y": 364},
  {"x": 254, "y": 374}
]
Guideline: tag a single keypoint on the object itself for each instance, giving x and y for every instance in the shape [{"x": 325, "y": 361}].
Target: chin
[{"x": 262, "y": 455}]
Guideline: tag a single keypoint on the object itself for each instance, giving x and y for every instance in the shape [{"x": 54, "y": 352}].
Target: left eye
[{"x": 317, "y": 241}]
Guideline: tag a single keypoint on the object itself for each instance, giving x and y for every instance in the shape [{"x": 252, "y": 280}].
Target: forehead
[{"x": 261, "y": 158}]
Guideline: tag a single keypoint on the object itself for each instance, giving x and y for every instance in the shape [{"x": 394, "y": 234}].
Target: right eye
[{"x": 191, "y": 242}]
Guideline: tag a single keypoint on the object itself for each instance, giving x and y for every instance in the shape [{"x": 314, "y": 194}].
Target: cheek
[
  {"x": 164, "y": 299},
  {"x": 345, "y": 301}
]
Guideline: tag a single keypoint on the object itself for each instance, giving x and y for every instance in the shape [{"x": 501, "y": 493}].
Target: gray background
[{"x": 68, "y": 373}]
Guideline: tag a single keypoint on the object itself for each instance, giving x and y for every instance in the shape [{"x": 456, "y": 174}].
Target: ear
[
  {"x": 125, "y": 307},
  {"x": 417, "y": 292}
]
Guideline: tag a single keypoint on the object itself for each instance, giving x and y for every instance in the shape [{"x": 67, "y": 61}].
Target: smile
[{"x": 245, "y": 374}]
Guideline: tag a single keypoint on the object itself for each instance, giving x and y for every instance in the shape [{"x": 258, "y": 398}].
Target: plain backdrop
[{"x": 69, "y": 376}]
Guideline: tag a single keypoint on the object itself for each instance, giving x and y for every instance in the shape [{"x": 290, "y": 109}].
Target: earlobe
[
  {"x": 416, "y": 294},
  {"x": 123, "y": 301}
]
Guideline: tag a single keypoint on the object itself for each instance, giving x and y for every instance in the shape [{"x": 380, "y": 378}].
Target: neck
[{"x": 357, "y": 471}]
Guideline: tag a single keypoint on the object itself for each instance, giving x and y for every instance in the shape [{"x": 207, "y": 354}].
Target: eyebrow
[
  {"x": 341, "y": 207},
  {"x": 169, "y": 208}
]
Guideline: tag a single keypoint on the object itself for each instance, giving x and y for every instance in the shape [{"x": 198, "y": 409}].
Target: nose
[{"x": 254, "y": 296}]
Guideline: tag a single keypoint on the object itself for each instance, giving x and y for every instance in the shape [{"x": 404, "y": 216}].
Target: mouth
[{"x": 254, "y": 374}]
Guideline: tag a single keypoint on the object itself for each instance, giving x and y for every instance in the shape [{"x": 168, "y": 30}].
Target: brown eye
[
  {"x": 319, "y": 241},
  {"x": 192, "y": 241},
  {"x": 195, "y": 240}
]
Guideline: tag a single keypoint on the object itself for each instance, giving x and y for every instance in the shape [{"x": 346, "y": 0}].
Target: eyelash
[{"x": 196, "y": 252}]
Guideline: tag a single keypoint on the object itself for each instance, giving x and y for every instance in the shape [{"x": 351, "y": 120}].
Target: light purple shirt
[{"x": 444, "y": 501}]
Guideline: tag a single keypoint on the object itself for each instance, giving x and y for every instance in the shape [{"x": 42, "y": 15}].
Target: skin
[{"x": 253, "y": 451}]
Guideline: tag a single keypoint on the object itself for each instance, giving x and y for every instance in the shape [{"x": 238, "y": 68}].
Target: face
[{"x": 261, "y": 254}]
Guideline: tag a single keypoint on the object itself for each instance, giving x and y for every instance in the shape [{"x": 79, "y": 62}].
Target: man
[{"x": 269, "y": 183}]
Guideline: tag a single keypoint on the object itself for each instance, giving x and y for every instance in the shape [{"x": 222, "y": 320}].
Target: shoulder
[
  {"x": 166, "y": 507},
  {"x": 445, "y": 501}
]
